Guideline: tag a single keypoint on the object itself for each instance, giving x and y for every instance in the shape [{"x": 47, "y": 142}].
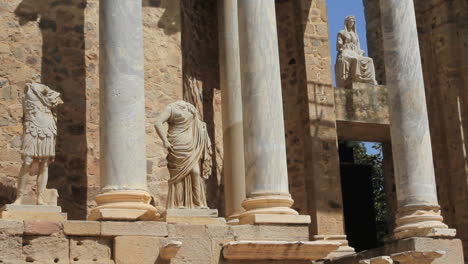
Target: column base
[
  {"x": 421, "y": 221},
  {"x": 344, "y": 248},
  {"x": 121, "y": 205},
  {"x": 233, "y": 219},
  {"x": 271, "y": 209}
]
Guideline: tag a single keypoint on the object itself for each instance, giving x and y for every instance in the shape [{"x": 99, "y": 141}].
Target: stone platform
[
  {"x": 32, "y": 212},
  {"x": 193, "y": 216}
]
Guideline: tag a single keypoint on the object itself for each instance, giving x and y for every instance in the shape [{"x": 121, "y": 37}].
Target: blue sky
[{"x": 337, "y": 11}]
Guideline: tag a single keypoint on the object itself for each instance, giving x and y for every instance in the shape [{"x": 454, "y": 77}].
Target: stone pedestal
[
  {"x": 124, "y": 193},
  {"x": 32, "y": 212},
  {"x": 193, "y": 216},
  {"x": 418, "y": 207},
  {"x": 49, "y": 196}
]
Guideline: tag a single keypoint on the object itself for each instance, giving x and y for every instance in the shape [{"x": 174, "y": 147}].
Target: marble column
[
  {"x": 264, "y": 139},
  {"x": 124, "y": 193},
  {"x": 418, "y": 212},
  {"x": 233, "y": 138}
]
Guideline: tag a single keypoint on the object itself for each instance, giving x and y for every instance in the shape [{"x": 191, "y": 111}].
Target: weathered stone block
[
  {"x": 90, "y": 249},
  {"x": 46, "y": 249},
  {"x": 82, "y": 228},
  {"x": 362, "y": 112},
  {"x": 178, "y": 230},
  {"x": 192, "y": 212},
  {"x": 271, "y": 232},
  {"x": 146, "y": 228},
  {"x": 32, "y": 212},
  {"x": 275, "y": 219},
  {"x": 215, "y": 231},
  {"x": 136, "y": 249},
  {"x": 11, "y": 227},
  {"x": 10, "y": 249},
  {"x": 278, "y": 250},
  {"x": 36, "y": 227},
  {"x": 194, "y": 250},
  {"x": 201, "y": 220}
]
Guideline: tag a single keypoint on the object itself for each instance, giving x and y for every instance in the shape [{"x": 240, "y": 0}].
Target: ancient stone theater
[{"x": 223, "y": 132}]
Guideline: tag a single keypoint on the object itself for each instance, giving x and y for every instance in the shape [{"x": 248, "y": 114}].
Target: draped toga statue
[
  {"x": 351, "y": 64},
  {"x": 39, "y": 136},
  {"x": 189, "y": 154}
]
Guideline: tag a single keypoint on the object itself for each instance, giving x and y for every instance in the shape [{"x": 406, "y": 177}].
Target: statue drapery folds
[
  {"x": 351, "y": 64},
  {"x": 189, "y": 154}
]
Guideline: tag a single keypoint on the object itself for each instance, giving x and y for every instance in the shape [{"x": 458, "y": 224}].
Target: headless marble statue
[
  {"x": 39, "y": 136},
  {"x": 189, "y": 154},
  {"x": 351, "y": 64}
]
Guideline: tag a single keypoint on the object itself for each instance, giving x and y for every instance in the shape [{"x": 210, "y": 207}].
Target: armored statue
[
  {"x": 39, "y": 136},
  {"x": 189, "y": 154},
  {"x": 351, "y": 64}
]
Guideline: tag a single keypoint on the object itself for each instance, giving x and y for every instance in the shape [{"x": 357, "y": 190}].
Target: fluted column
[
  {"x": 124, "y": 193},
  {"x": 418, "y": 212},
  {"x": 234, "y": 170},
  {"x": 264, "y": 139}
]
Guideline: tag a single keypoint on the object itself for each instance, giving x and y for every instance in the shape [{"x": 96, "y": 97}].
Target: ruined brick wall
[
  {"x": 201, "y": 82},
  {"x": 323, "y": 181},
  {"x": 443, "y": 39},
  {"x": 42, "y": 41},
  {"x": 56, "y": 43},
  {"x": 294, "y": 99}
]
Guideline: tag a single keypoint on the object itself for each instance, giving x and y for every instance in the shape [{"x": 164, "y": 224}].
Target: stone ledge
[
  {"x": 44, "y": 228},
  {"x": 195, "y": 220},
  {"x": 426, "y": 232},
  {"x": 275, "y": 219},
  {"x": 146, "y": 228},
  {"x": 11, "y": 227},
  {"x": 82, "y": 228},
  {"x": 191, "y": 212},
  {"x": 420, "y": 257},
  {"x": 32, "y": 212},
  {"x": 278, "y": 250}
]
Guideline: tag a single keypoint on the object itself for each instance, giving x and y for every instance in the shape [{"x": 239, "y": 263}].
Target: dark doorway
[{"x": 358, "y": 197}]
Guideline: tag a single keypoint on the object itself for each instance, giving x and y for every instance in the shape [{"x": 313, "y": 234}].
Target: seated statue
[
  {"x": 351, "y": 64},
  {"x": 189, "y": 155}
]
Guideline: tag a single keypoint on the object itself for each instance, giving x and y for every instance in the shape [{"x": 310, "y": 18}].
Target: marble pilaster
[
  {"x": 264, "y": 139},
  {"x": 418, "y": 212},
  {"x": 124, "y": 193},
  {"x": 233, "y": 138}
]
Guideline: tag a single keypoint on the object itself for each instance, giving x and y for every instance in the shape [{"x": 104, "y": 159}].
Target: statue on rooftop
[
  {"x": 351, "y": 64},
  {"x": 189, "y": 154},
  {"x": 39, "y": 137}
]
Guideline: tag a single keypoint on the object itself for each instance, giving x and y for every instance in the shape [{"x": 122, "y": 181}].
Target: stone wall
[
  {"x": 56, "y": 43},
  {"x": 321, "y": 147},
  {"x": 130, "y": 242},
  {"x": 443, "y": 38},
  {"x": 43, "y": 41},
  {"x": 201, "y": 81},
  {"x": 294, "y": 98}
]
